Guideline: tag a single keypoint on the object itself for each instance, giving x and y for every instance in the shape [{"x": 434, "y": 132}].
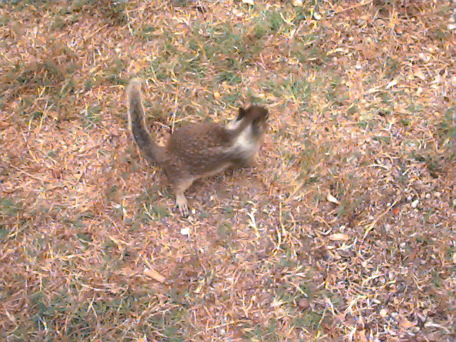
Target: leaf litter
[{"x": 343, "y": 230}]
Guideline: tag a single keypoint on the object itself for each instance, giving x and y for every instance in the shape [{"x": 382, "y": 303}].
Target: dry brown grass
[{"x": 363, "y": 108}]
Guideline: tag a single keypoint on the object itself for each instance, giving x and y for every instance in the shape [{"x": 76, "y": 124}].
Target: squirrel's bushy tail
[{"x": 149, "y": 148}]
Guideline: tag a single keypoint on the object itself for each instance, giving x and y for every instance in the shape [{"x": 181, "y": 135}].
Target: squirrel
[{"x": 197, "y": 150}]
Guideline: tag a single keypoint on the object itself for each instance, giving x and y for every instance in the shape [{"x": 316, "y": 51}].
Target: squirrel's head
[{"x": 258, "y": 115}]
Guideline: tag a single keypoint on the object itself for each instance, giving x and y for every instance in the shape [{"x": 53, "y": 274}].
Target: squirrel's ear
[{"x": 242, "y": 113}]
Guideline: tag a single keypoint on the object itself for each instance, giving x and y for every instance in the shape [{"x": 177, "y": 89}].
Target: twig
[
  {"x": 372, "y": 225},
  {"x": 26, "y": 173},
  {"x": 354, "y": 6}
]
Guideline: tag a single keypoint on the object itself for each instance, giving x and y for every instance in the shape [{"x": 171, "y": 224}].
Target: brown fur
[{"x": 197, "y": 150}]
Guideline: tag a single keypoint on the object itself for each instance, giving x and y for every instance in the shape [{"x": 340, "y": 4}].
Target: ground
[{"x": 343, "y": 230}]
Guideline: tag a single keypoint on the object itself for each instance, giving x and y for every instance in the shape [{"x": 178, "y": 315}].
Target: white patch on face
[{"x": 245, "y": 144}]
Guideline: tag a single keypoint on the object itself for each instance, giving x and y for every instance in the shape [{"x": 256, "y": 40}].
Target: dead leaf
[
  {"x": 154, "y": 275},
  {"x": 339, "y": 237},
  {"x": 332, "y": 199},
  {"x": 391, "y": 84},
  {"x": 316, "y": 16},
  {"x": 396, "y": 211},
  {"x": 420, "y": 74},
  {"x": 185, "y": 231},
  {"x": 405, "y": 323}
]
